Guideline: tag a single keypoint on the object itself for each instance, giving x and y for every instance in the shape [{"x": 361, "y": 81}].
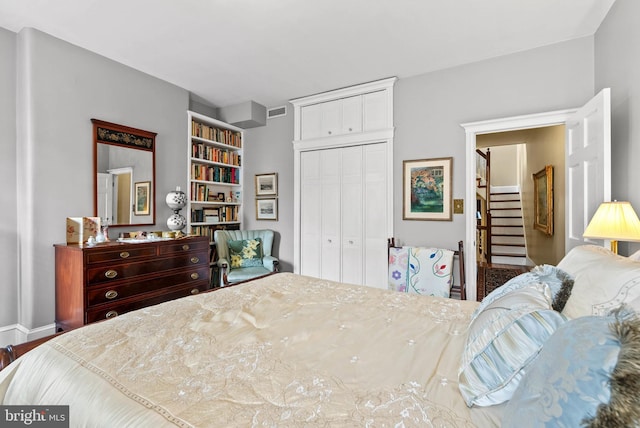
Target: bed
[{"x": 290, "y": 351}]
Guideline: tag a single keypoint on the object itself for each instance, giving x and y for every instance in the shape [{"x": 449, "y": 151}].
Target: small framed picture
[
  {"x": 221, "y": 197},
  {"x": 267, "y": 209},
  {"x": 142, "y": 191},
  {"x": 427, "y": 189},
  {"x": 267, "y": 184}
]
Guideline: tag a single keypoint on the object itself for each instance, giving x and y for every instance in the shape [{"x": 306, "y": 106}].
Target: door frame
[{"x": 472, "y": 129}]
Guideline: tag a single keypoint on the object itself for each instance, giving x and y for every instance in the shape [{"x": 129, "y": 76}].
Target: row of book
[
  {"x": 209, "y": 230},
  {"x": 202, "y": 151},
  {"x": 219, "y": 174},
  {"x": 215, "y": 214},
  {"x": 225, "y": 136}
]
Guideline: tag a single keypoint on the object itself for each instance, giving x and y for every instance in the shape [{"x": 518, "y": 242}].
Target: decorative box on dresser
[{"x": 99, "y": 282}]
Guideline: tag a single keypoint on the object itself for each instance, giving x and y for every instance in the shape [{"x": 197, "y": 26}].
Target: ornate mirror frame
[{"x": 113, "y": 141}]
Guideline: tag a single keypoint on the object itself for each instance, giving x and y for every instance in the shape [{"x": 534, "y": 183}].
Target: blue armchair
[{"x": 244, "y": 254}]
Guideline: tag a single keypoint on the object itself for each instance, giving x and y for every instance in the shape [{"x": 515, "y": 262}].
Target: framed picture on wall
[
  {"x": 267, "y": 184},
  {"x": 267, "y": 209},
  {"x": 142, "y": 191},
  {"x": 543, "y": 200},
  {"x": 427, "y": 189}
]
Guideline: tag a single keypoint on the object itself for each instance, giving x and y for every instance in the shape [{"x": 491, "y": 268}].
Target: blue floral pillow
[
  {"x": 586, "y": 374},
  {"x": 245, "y": 253}
]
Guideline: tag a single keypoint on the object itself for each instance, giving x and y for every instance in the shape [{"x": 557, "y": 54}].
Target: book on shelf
[{"x": 225, "y": 136}]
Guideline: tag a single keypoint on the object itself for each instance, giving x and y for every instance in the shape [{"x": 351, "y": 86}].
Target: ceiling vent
[{"x": 276, "y": 112}]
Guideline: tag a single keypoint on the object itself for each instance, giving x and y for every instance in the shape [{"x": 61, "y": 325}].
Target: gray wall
[
  {"x": 428, "y": 111},
  {"x": 8, "y": 224},
  {"x": 617, "y": 65},
  {"x": 60, "y": 88},
  {"x": 268, "y": 149}
]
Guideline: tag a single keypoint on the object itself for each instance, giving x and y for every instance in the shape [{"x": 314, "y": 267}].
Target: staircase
[{"x": 507, "y": 230}]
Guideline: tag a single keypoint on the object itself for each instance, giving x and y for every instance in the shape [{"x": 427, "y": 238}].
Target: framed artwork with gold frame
[{"x": 543, "y": 200}]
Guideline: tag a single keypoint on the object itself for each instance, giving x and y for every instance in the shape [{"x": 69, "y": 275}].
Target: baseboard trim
[{"x": 16, "y": 333}]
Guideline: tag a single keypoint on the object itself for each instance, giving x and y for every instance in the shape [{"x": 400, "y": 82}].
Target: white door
[
  {"x": 105, "y": 196},
  {"x": 310, "y": 214},
  {"x": 588, "y": 165},
  {"x": 352, "y": 210},
  {"x": 330, "y": 209}
]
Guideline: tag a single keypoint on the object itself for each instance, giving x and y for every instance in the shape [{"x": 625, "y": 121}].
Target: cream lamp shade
[{"x": 616, "y": 221}]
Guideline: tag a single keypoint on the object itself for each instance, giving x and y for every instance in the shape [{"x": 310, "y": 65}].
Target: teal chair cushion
[{"x": 237, "y": 275}]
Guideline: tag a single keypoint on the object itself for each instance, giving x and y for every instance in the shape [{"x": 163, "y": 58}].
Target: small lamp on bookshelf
[{"x": 176, "y": 200}]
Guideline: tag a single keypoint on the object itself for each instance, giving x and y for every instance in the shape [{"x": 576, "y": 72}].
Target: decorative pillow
[
  {"x": 245, "y": 253},
  {"x": 503, "y": 339},
  {"x": 560, "y": 284},
  {"x": 417, "y": 270},
  {"x": 603, "y": 281},
  {"x": 586, "y": 374}
]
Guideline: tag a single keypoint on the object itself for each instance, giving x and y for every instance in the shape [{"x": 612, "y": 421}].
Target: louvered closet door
[
  {"x": 310, "y": 213},
  {"x": 344, "y": 214},
  {"x": 352, "y": 266},
  {"x": 330, "y": 171},
  {"x": 376, "y": 200}
]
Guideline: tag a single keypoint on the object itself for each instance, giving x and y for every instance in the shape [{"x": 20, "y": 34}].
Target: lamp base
[{"x": 614, "y": 246}]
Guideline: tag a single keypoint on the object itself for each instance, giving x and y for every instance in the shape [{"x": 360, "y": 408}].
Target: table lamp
[{"x": 616, "y": 221}]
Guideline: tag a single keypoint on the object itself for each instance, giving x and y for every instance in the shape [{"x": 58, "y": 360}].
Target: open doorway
[{"x": 587, "y": 168}]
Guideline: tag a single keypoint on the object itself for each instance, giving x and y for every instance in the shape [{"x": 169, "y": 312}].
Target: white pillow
[{"x": 603, "y": 281}]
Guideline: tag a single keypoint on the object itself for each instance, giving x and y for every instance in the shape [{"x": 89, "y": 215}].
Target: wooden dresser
[{"x": 109, "y": 279}]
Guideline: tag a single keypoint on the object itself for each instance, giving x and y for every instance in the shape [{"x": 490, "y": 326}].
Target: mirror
[{"x": 124, "y": 174}]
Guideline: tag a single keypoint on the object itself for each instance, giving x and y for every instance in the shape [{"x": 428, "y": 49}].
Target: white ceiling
[{"x": 231, "y": 51}]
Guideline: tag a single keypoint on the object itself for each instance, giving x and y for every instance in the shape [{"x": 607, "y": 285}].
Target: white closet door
[
  {"x": 311, "y": 121},
  {"x": 352, "y": 255},
  {"x": 352, "y": 114},
  {"x": 330, "y": 171},
  {"x": 310, "y": 213},
  {"x": 375, "y": 220}
]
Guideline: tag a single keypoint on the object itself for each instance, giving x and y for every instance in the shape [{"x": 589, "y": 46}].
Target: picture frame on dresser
[{"x": 427, "y": 189}]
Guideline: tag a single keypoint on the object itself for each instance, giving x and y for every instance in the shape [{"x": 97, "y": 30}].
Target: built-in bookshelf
[{"x": 215, "y": 177}]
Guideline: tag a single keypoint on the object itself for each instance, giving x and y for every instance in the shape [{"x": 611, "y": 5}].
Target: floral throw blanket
[{"x": 418, "y": 270}]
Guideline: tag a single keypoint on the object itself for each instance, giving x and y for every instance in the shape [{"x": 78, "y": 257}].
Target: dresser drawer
[
  {"x": 111, "y": 311},
  {"x": 116, "y": 272},
  {"x": 179, "y": 247},
  {"x": 127, "y": 254},
  {"x": 97, "y": 296}
]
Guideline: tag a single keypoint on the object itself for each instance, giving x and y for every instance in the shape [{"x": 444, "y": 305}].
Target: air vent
[{"x": 276, "y": 112}]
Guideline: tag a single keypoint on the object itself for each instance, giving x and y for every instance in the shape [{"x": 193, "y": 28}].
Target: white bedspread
[{"x": 286, "y": 350}]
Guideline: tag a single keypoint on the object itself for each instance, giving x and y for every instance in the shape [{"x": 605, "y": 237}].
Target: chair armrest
[
  {"x": 223, "y": 263},
  {"x": 270, "y": 263}
]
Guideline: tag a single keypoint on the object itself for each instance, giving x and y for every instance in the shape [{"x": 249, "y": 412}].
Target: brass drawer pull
[
  {"x": 124, "y": 254},
  {"x": 195, "y": 291},
  {"x": 111, "y": 274},
  {"x": 194, "y": 260},
  {"x": 195, "y": 275},
  {"x": 111, "y": 294},
  {"x": 185, "y": 247},
  {"x": 111, "y": 314}
]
